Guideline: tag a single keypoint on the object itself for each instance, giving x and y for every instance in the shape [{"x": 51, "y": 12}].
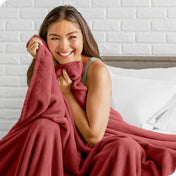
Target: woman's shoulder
[
  {"x": 97, "y": 70},
  {"x": 97, "y": 66}
]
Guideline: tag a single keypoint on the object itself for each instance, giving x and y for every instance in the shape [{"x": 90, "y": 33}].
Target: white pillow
[
  {"x": 138, "y": 100},
  {"x": 167, "y": 121},
  {"x": 167, "y": 74}
]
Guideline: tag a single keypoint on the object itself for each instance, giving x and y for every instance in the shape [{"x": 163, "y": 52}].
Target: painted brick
[
  {"x": 135, "y": 26},
  {"x": 172, "y": 13},
  {"x": 23, "y": 81},
  {"x": 151, "y": 37},
  {"x": 17, "y": 70},
  {"x": 135, "y": 3},
  {"x": 171, "y": 37},
  {"x": 151, "y": 13},
  {"x": 2, "y": 24},
  {"x": 105, "y": 3},
  {"x": 10, "y": 103},
  {"x": 26, "y": 59},
  {"x": 2, "y": 70},
  {"x": 120, "y": 37},
  {"x": 109, "y": 49},
  {"x": 121, "y": 13},
  {"x": 9, "y": 58},
  {"x": 165, "y": 50},
  {"x": 93, "y": 13},
  {"x": 164, "y": 25},
  {"x": 16, "y": 47},
  {"x": 78, "y": 3},
  {"x": 33, "y": 13},
  {"x": 48, "y": 4},
  {"x": 2, "y": 47},
  {"x": 2, "y": 93},
  {"x": 37, "y": 25},
  {"x": 26, "y": 35},
  {"x": 6, "y": 36},
  {"x": 3, "y": 113},
  {"x": 8, "y": 81},
  {"x": 15, "y": 92},
  {"x": 163, "y": 3},
  {"x": 99, "y": 36},
  {"x": 20, "y": 3},
  {"x": 106, "y": 25},
  {"x": 6, "y": 124},
  {"x": 13, "y": 114},
  {"x": 23, "y": 25},
  {"x": 136, "y": 49},
  {"x": 8, "y": 13}
]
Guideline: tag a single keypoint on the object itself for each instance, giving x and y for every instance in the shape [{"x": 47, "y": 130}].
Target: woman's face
[{"x": 65, "y": 41}]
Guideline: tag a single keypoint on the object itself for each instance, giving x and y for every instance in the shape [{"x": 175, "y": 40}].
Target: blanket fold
[{"x": 46, "y": 142}]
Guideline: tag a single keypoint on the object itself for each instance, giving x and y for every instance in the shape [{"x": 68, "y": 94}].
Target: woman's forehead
[{"x": 64, "y": 26}]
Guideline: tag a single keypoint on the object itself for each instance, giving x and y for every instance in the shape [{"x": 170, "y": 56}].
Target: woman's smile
[{"x": 65, "y": 55}]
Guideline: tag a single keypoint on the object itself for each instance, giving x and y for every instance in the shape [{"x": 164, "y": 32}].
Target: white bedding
[{"x": 146, "y": 97}]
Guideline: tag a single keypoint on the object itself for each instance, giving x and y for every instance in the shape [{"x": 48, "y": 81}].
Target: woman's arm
[{"x": 93, "y": 123}]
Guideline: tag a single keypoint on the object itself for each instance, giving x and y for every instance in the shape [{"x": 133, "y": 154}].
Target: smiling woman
[
  {"x": 69, "y": 39},
  {"x": 65, "y": 41}
]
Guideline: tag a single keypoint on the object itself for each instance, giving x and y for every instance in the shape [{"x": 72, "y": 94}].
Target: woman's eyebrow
[{"x": 66, "y": 34}]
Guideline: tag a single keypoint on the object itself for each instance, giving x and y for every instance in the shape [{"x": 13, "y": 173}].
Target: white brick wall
[{"x": 121, "y": 27}]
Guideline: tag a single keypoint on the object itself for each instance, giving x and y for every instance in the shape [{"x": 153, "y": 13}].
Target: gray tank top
[{"x": 86, "y": 68}]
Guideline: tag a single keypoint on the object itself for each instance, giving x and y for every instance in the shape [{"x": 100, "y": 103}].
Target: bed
[{"x": 144, "y": 90}]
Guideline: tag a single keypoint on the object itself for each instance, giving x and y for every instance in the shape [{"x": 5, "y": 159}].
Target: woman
[
  {"x": 69, "y": 39},
  {"x": 48, "y": 142}
]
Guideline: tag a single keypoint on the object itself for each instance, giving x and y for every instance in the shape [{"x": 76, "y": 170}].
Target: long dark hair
[{"x": 69, "y": 13}]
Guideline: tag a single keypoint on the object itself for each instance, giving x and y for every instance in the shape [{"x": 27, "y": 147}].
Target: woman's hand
[
  {"x": 33, "y": 46},
  {"x": 65, "y": 83}
]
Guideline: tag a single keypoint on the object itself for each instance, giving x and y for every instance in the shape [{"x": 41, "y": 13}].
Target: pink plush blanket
[{"x": 45, "y": 141}]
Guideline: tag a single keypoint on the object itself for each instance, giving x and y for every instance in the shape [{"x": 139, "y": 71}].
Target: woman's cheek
[
  {"x": 78, "y": 45},
  {"x": 52, "y": 46}
]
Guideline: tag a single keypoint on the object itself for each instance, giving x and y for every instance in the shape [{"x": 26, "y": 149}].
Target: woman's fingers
[
  {"x": 66, "y": 76},
  {"x": 33, "y": 49},
  {"x": 33, "y": 46},
  {"x": 35, "y": 40}
]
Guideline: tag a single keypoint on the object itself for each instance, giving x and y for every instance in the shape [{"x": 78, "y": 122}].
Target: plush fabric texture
[{"x": 45, "y": 141}]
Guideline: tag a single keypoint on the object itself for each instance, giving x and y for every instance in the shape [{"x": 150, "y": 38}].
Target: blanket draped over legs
[{"x": 46, "y": 142}]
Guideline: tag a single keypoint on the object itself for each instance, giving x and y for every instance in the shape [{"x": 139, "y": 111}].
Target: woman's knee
[
  {"x": 45, "y": 127},
  {"x": 128, "y": 143},
  {"x": 127, "y": 146}
]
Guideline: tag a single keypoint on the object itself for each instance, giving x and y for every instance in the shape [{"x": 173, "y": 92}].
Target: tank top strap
[{"x": 86, "y": 68}]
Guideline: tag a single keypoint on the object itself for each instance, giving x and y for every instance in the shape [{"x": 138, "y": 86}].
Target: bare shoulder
[
  {"x": 97, "y": 68},
  {"x": 97, "y": 73}
]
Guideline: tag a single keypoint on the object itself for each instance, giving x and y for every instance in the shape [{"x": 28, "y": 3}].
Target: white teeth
[{"x": 65, "y": 54}]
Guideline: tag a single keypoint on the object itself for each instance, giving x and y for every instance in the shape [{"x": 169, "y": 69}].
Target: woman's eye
[
  {"x": 72, "y": 37},
  {"x": 55, "y": 38}
]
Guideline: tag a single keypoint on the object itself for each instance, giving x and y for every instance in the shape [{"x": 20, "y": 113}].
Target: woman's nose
[{"x": 63, "y": 45}]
